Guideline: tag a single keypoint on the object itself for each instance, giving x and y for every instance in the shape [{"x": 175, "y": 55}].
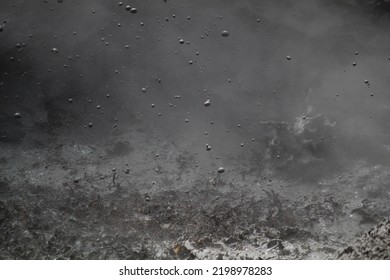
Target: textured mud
[
  {"x": 373, "y": 245},
  {"x": 85, "y": 202}
]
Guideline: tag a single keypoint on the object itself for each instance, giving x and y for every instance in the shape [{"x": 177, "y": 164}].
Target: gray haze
[{"x": 246, "y": 75}]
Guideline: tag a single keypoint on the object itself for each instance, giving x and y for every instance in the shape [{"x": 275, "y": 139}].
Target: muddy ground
[
  {"x": 110, "y": 202},
  {"x": 193, "y": 129}
]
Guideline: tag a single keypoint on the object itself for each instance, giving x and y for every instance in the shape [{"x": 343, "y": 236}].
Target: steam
[{"x": 280, "y": 58}]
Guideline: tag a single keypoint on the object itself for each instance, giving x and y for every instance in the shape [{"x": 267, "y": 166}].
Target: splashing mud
[{"x": 192, "y": 129}]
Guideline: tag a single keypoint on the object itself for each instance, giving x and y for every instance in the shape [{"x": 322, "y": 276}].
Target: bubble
[
  {"x": 354, "y": 64},
  {"x": 90, "y": 125},
  {"x": 70, "y": 100},
  {"x": 1, "y": 28},
  {"x": 225, "y": 33},
  {"x": 221, "y": 170},
  {"x": 128, "y": 8},
  {"x": 288, "y": 57},
  {"x": 144, "y": 90},
  {"x": 133, "y": 10},
  {"x": 186, "y": 120},
  {"x": 54, "y": 50},
  {"x": 152, "y": 105},
  {"x": 17, "y": 115},
  {"x": 120, "y": 4},
  {"x": 208, "y": 147},
  {"x": 242, "y": 144},
  {"x": 181, "y": 41},
  {"x": 207, "y": 103}
]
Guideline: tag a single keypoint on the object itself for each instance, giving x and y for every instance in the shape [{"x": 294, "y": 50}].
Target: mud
[{"x": 81, "y": 202}]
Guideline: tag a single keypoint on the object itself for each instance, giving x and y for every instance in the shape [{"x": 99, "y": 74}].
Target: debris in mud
[
  {"x": 182, "y": 252},
  {"x": 373, "y": 245}
]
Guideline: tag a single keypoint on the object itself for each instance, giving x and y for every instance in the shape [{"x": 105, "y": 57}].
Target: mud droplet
[
  {"x": 225, "y": 33},
  {"x": 288, "y": 57},
  {"x": 17, "y": 115},
  {"x": 221, "y": 170},
  {"x": 207, "y": 103},
  {"x": 54, "y": 50}
]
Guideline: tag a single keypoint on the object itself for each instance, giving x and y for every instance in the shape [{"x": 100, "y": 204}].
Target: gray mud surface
[{"x": 89, "y": 206}]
